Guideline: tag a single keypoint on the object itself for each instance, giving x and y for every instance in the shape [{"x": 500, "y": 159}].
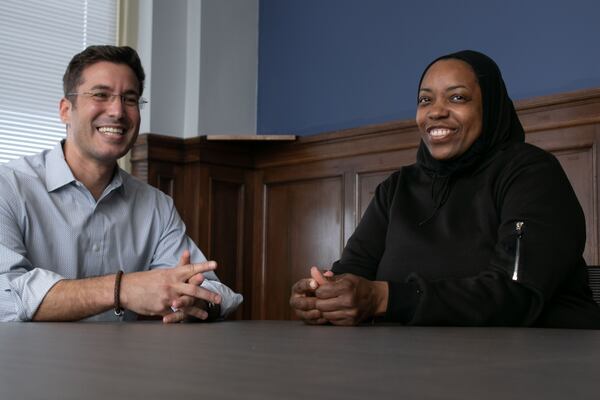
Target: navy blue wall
[{"x": 333, "y": 64}]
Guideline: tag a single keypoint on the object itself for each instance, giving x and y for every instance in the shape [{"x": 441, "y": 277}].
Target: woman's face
[{"x": 449, "y": 109}]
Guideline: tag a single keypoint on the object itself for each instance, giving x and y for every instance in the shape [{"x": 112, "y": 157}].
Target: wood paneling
[
  {"x": 367, "y": 183},
  {"x": 268, "y": 210},
  {"x": 303, "y": 227},
  {"x": 226, "y": 235}
]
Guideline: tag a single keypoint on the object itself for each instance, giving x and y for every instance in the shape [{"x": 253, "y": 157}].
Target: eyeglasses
[{"x": 102, "y": 97}]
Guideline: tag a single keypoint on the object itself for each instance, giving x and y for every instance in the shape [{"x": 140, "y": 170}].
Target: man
[{"x": 80, "y": 237}]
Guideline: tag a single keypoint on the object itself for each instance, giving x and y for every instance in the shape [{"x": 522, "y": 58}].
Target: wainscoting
[{"x": 266, "y": 210}]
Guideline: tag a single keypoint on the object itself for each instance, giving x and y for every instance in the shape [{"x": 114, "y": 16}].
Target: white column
[
  {"x": 229, "y": 66},
  {"x": 144, "y": 49},
  {"x": 201, "y": 63}
]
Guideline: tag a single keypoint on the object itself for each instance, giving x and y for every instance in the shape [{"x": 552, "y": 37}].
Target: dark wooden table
[{"x": 288, "y": 360}]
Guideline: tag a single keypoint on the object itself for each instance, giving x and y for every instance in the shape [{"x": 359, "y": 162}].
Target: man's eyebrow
[{"x": 105, "y": 87}]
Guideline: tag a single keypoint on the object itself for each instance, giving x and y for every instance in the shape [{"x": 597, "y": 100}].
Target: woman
[{"x": 483, "y": 230}]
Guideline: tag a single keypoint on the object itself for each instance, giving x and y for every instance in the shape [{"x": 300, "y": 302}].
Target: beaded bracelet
[{"x": 118, "y": 308}]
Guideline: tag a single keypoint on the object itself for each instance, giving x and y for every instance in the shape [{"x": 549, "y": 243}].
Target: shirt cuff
[
  {"x": 29, "y": 289},
  {"x": 229, "y": 299},
  {"x": 403, "y": 299}
]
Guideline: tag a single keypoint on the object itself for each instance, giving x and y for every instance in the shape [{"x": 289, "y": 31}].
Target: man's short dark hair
[{"x": 93, "y": 54}]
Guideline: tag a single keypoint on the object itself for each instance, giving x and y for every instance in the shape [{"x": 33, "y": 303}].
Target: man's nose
[{"x": 116, "y": 105}]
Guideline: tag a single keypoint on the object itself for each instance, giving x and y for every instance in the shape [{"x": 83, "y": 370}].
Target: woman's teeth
[{"x": 440, "y": 132}]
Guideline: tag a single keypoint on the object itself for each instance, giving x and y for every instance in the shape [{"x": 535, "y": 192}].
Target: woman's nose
[{"x": 438, "y": 110}]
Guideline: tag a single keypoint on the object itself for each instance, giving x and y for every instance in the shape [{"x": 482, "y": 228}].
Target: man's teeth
[
  {"x": 440, "y": 132},
  {"x": 110, "y": 130}
]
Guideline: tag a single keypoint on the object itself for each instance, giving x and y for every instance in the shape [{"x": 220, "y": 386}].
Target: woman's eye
[
  {"x": 457, "y": 97},
  {"x": 423, "y": 100}
]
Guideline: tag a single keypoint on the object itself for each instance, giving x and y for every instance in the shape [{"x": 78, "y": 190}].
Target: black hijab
[{"x": 500, "y": 127}]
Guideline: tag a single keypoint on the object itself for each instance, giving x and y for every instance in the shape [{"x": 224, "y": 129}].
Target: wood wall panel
[
  {"x": 226, "y": 235},
  {"x": 297, "y": 203},
  {"x": 303, "y": 227},
  {"x": 367, "y": 183}
]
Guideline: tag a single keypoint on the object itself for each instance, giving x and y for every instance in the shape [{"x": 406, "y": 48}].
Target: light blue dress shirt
[{"x": 52, "y": 228}]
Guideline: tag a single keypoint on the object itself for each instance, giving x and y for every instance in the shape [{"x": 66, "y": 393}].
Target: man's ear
[{"x": 65, "y": 110}]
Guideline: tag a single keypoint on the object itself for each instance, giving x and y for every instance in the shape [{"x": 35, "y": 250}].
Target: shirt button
[{"x": 95, "y": 247}]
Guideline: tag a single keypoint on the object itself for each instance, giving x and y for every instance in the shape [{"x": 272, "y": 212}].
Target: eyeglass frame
[{"x": 111, "y": 96}]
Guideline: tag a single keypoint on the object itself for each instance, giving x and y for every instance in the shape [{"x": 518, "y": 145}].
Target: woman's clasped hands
[{"x": 344, "y": 299}]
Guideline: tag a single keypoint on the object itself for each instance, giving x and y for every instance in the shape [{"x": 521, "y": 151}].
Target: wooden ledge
[{"x": 269, "y": 138}]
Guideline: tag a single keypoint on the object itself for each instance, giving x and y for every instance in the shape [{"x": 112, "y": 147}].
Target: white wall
[{"x": 201, "y": 61}]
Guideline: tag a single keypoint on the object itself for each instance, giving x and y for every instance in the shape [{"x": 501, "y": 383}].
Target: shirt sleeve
[
  {"x": 22, "y": 287},
  {"x": 173, "y": 242}
]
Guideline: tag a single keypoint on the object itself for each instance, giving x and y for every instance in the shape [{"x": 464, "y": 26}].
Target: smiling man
[{"x": 79, "y": 237}]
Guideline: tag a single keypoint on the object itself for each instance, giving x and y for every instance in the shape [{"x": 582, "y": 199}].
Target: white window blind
[{"x": 38, "y": 38}]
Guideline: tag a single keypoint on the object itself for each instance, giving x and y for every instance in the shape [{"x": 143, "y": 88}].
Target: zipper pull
[{"x": 519, "y": 230}]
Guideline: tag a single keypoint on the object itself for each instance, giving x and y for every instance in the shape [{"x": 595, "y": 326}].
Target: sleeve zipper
[{"x": 519, "y": 231}]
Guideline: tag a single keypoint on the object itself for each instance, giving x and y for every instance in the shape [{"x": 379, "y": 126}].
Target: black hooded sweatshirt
[{"x": 494, "y": 237}]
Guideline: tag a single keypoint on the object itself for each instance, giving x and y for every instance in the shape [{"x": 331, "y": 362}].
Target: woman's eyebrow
[
  {"x": 456, "y": 87},
  {"x": 448, "y": 89}
]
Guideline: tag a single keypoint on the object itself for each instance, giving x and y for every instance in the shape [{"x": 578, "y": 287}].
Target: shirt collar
[
  {"x": 116, "y": 182},
  {"x": 58, "y": 173}
]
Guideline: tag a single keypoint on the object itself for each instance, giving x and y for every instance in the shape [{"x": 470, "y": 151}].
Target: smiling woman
[{"x": 483, "y": 230}]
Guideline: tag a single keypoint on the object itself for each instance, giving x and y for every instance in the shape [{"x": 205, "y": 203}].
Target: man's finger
[
  {"x": 174, "y": 317},
  {"x": 196, "y": 280},
  {"x": 184, "y": 259},
  {"x": 185, "y": 272},
  {"x": 197, "y": 292},
  {"x": 196, "y": 312},
  {"x": 183, "y": 301}
]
